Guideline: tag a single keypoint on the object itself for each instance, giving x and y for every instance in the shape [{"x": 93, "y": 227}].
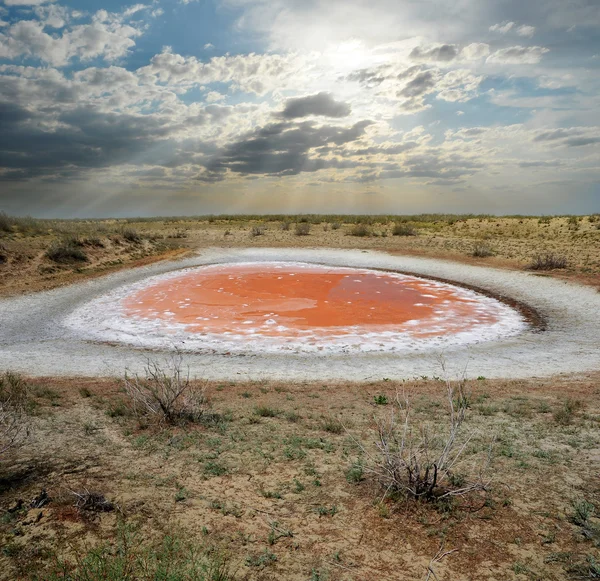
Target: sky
[{"x": 189, "y": 107}]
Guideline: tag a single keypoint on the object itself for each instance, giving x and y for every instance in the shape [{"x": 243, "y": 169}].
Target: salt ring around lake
[{"x": 307, "y": 314}]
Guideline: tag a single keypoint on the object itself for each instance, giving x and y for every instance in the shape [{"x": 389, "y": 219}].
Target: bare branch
[{"x": 165, "y": 392}]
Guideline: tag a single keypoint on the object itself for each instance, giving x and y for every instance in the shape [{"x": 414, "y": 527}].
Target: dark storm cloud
[
  {"x": 442, "y": 53},
  {"x": 283, "y": 149},
  {"x": 82, "y": 140},
  {"x": 322, "y": 104},
  {"x": 33, "y": 144}
]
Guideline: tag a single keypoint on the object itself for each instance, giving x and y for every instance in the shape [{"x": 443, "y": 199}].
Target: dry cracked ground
[{"x": 275, "y": 479}]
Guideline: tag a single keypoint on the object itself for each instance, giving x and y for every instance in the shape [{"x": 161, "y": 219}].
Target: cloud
[
  {"x": 370, "y": 78},
  {"x": 26, "y": 2},
  {"x": 284, "y": 148},
  {"x": 523, "y": 30},
  {"x": 570, "y": 136},
  {"x": 420, "y": 84},
  {"x": 52, "y": 15},
  {"x": 134, "y": 9},
  {"x": 440, "y": 53},
  {"x": 475, "y": 51},
  {"x": 518, "y": 55},
  {"x": 301, "y": 110},
  {"x": 106, "y": 37},
  {"x": 526, "y": 30},
  {"x": 251, "y": 73},
  {"x": 214, "y": 96},
  {"x": 540, "y": 163},
  {"x": 502, "y": 28},
  {"x": 323, "y": 105}
]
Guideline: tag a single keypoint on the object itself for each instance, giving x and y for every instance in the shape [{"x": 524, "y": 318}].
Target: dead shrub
[
  {"x": 14, "y": 426},
  {"x": 165, "y": 393},
  {"x": 421, "y": 460},
  {"x": 92, "y": 501},
  {"x": 547, "y": 261},
  {"x": 257, "y": 231}
]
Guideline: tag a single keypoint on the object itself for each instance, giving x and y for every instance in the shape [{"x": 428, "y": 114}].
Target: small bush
[
  {"x": 380, "y": 399},
  {"x": 332, "y": 425},
  {"x": 6, "y": 222},
  {"x": 361, "y": 230},
  {"x": 566, "y": 413},
  {"x": 9, "y": 224},
  {"x": 302, "y": 229},
  {"x": 166, "y": 394},
  {"x": 261, "y": 560},
  {"x": 482, "y": 251},
  {"x": 266, "y": 412},
  {"x": 548, "y": 261},
  {"x": 355, "y": 473},
  {"x": 131, "y": 235},
  {"x": 14, "y": 396},
  {"x": 403, "y": 230},
  {"x": 257, "y": 231},
  {"x": 324, "y": 511},
  {"x": 66, "y": 251},
  {"x": 336, "y": 226},
  {"x": 285, "y": 226},
  {"x": 583, "y": 511},
  {"x": 93, "y": 241},
  {"x": 419, "y": 460}
]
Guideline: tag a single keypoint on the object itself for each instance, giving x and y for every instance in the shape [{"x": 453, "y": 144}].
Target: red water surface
[{"x": 289, "y": 299}]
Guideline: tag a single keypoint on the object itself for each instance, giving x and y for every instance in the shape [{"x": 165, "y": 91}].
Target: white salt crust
[{"x": 37, "y": 335}]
